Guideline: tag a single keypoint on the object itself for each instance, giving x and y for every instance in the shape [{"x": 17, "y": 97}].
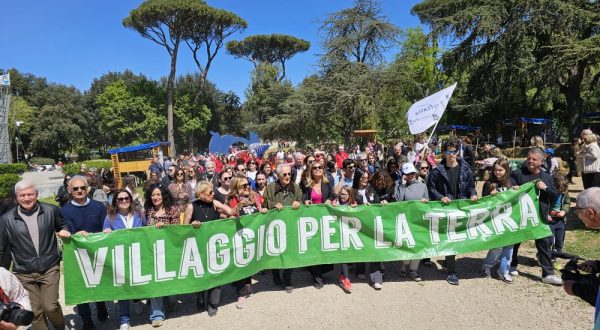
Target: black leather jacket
[{"x": 16, "y": 241}]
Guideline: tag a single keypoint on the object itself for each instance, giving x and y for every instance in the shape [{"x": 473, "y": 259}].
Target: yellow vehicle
[{"x": 135, "y": 158}]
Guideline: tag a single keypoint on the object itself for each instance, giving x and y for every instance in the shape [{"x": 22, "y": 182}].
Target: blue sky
[{"x": 74, "y": 41}]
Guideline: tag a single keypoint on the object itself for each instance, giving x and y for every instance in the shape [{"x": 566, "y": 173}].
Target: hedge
[
  {"x": 72, "y": 169},
  {"x": 42, "y": 161},
  {"x": 7, "y": 182},
  {"x": 17, "y": 168}
]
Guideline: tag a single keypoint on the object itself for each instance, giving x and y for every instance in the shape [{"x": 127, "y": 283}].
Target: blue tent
[
  {"x": 460, "y": 127},
  {"x": 138, "y": 147}
]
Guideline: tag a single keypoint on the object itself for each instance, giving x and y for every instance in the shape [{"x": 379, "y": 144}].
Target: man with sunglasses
[
  {"x": 28, "y": 238},
  {"x": 451, "y": 179},
  {"x": 84, "y": 215},
  {"x": 346, "y": 176},
  {"x": 170, "y": 177},
  {"x": 283, "y": 192}
]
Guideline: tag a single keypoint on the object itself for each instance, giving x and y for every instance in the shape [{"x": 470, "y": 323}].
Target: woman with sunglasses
[
  {"x": 251, "y": 169},
  {"x": 345, "y": 198},
  {"x": 206, "y": 208},
  {"x": 122, "y": 214},
  {"x": 222, "y": 191},
  {"x": 243, "y": 198},
  {"x": 180, "y": 189},
  {"x": 317, "y": 189}
]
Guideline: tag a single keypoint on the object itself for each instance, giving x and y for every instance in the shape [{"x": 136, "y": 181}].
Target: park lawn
[
  {"x": 49, "y": 200},
  {"x": 580, "y": 240}
]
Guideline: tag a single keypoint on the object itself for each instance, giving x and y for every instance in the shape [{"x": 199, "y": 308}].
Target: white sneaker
[
  {"x": 124, "y": 326},
  {"x": 552, "y": 279},
  {"x": 377, "y": 286},
  {"x": 513, "y": 271}
]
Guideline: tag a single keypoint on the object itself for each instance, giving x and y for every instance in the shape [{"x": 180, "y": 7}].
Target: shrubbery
[
  {"x": 72, "y": 169},
  {"x": 17, "y": 168},
  {"x": 41, "y": 161},
  {"x": 7, "y": 182}
]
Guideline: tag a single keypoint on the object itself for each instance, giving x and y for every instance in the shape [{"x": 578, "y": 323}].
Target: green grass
[{"x": 580, "y": 240}]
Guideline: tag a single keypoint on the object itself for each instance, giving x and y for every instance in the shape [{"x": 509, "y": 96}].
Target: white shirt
[{"x": 14, "y": 289}]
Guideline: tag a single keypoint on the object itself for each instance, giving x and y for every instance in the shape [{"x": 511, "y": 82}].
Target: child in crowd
[
  {"x": 345, "y": 198},
  {"x": 559, "y": 212},
  {"x": 499, "y": 181}
]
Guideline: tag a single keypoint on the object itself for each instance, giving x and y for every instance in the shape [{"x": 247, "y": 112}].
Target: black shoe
[
  {"x": 211, "y": 310},
  {"x": 317, "y": 282},
  {"x": 452, "y": 279},
  {"x": 102, "y": 314}
]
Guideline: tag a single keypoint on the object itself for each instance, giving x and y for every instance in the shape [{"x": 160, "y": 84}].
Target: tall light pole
[{"x": 17, "y": 140}]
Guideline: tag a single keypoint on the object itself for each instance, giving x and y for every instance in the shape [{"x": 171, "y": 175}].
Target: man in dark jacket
[
  {"x": 532, "y": 170},
  {"x": 27, "y": 234},
  {"x": 278, "y": 194},
  {"x": 84, "y": 215},
  {"x": 451, "y": 179}
]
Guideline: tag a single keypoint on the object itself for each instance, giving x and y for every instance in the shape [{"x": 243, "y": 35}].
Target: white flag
[
  {"x": 428, "y": 111},
  {"x": 5, "y": 80}
]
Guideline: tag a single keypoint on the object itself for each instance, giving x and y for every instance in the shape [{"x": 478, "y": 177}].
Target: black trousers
[
  {"x": 590, "y": 180},
  {"x": 543, "y": 246},
  {"x": 287, "y": 276}
]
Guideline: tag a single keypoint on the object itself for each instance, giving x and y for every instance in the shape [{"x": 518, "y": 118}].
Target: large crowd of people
[{"x": 192, "y": 189}]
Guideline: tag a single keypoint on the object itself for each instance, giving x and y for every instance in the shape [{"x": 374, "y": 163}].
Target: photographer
[
  {"x": 588, "y": 210},
  {"x": 11, "y": 290}
]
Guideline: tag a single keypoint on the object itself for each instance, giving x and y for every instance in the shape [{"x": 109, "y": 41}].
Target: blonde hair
[
  {"x": 589, "y": 136},
  {"x": 309, "y": 179},
  {"x": 537, "y": 141},
  {"x": 202, "y": 187},
  {"x": 234, "y": 188}
]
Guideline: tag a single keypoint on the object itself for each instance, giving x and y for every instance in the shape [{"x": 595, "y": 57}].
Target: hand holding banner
[{"x": 428, "y": 111}]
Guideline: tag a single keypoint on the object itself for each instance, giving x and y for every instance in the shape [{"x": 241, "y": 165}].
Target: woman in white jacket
[{"x": 590, "y": 153}]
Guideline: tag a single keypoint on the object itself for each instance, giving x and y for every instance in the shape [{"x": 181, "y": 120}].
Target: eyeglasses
[
  {"x": 241, "y": 170},
  {"x": 286, "y": 174},
  {"x": 350, "y": 167},
  {"x": 451, "y": 152},
  {"x": 78, "y": 188},
  {"x": 246, "y": 185},
  {"x": 123, "y": 199},
  {"x": 311, "y": 161},
  {"x": 425, "y": 168},
  {"x": 181, "y": 174},
  {"x": 363, "y": 160},
  {"x": 227, "y": 178},
  {"x": 317, "y": 167}
]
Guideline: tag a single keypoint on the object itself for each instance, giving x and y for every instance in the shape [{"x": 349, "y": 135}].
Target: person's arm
[
  {"x": 60, "y": 225},
  {"x": 226, "y": 210},
  {"x": 432, "y": 179},
  {"x": 268, "y": 198},
  {"x": 187, "y": 214}
]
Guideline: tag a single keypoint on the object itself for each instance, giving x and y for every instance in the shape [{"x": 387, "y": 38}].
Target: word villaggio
[{"x": 248, "y": 245}]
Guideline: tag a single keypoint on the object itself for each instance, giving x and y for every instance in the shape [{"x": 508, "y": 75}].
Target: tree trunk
[
  {"x": 572, "y": 92},
  {"x": 190, "y": 142},
  {"x": 170, "y": 88}
]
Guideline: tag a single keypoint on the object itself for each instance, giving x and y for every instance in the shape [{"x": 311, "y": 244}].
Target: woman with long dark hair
[{"x": 123, "y": 214}]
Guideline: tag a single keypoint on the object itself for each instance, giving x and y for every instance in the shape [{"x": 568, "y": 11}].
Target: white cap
[{"x": 408, "y": 168}]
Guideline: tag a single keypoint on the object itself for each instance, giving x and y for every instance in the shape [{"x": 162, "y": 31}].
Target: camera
[
  {"x": 570, "y": 272},
  {"x": 15, "y": 314}
]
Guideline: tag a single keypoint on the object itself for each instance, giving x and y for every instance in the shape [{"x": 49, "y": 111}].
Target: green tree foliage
[
  {"x": 518, "y": 54},
  {"x": 231, "y": 112},
  {"x": 165, "y": 22},
  {"x": 359, "y": 34},
  {"x": 127, "y": 118},
  {"x": 274, "y": 49},
  {"x": 20, "y": 111}
]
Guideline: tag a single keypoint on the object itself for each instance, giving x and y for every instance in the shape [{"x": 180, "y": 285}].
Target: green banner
[{"x": 148, "y": 262}]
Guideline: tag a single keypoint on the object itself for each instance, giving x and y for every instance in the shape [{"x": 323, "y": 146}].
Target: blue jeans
[
  {"x": 504, "y": 254},
  {"x": 155, "y": 303}
]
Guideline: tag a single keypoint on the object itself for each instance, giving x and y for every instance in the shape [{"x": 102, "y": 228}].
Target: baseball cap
[{"x": 408, "y": 168}]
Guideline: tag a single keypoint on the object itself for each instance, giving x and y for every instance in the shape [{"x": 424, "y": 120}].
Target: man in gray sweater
[{"x": 410, "y": 189}]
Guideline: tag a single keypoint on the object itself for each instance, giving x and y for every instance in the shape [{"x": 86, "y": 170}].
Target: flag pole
[{"x": 433, "y": 131}]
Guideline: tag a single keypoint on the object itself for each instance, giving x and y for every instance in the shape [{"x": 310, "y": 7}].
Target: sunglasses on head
[
  {"x": 123, "y": 199},
  {"x": 78, "y": 188}
]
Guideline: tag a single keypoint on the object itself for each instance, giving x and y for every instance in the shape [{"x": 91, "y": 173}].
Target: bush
[
  {"x": 42, "y": 161},
  {"x": 13, "y": 168},
  {"x": 7, "y": 182},
  {"x": 72, "y": 169}
]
